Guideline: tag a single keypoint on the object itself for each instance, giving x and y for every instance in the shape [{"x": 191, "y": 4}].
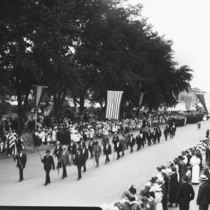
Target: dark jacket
[
  {"x": 79, "y": 159},
  {"x": 203, "y": 197},
  {"x": 85, "y": 153},
  {"x": 108, "y": 150},
  {"x": 185, "y": 194},
  {"x": 21, "y": 160},
  {"x": 57, "y": 151},
  {"x": 48, "y": 162}
]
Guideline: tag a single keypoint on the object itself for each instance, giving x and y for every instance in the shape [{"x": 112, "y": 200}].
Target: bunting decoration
[
  {"x": 205, "y": 100},
  {"x": 113, "y": 104},
  {"x": 38, "y": 92}
]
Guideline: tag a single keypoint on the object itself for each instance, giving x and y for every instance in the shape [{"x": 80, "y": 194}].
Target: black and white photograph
[{"x": 104, "y": 104}]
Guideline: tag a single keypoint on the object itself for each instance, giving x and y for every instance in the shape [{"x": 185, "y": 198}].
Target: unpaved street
[{"x": 98, "y": 185}]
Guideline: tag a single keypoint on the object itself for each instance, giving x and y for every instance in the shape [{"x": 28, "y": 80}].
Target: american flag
[
  {"x": 113, "y": 104},
  {"x": 12, "y": 144}
]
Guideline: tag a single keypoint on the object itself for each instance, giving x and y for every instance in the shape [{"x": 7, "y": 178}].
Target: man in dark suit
[
  {"x": 48, "y": 165},
  {"x": 138, "y": 141},
  {"x": 107, "y": 152},
  {"x": 132, "y": 142},
  {"x": 123, "y": 144},
  {"x": 149, "y": 137},
  {"x": 85, "y": 156},
  {"x": 64, "y": 158},
  {"x": 21, "y": 162},
  {"x": 203, "y": 197},
  {"x": 104, "y": 141},
  {"x": 72, "y": 149},
  {"x": 79, "y": 161},
  {"x": 185, "y": 194},
  {"x": 57, "y": 150}
]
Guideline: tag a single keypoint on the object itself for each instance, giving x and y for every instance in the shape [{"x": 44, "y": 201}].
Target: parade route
[{"x": 98, "y": 185}]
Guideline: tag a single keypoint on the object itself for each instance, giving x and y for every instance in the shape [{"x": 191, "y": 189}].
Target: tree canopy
[{"x": 81, "y": 49}]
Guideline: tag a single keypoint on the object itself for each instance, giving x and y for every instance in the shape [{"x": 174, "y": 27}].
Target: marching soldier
[
  {"x": 154, "y": 135},
  {"x": 90, "y": 147},
  {"x": 149, "y": 137},
  {"x": 123, "y": 144},
  {"x": 138, "y": 141},
  {"x": 21, "y": 162},
  {"x": 166, "y": 132},
  {"x": 159, "y": 134},
  {"x": 72, "y": 149},
  {"x": 85, "y": 156},
  {"x": 79, "y": 161},
  {"x": 107, "y": 152},
  {"x": 97, "y": 152},
  {"x": 64, "y": 158},
  {"x": 57, "y": 150},
  {"x": 131, "y": 142},
  {"x": 48, "y": 165},
  {"x": 104, "y": 141}
]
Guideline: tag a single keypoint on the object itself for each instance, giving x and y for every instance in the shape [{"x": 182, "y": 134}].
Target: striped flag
[
  {"x": 113, "y": 104},
  {"x": 12, "y": 144}
]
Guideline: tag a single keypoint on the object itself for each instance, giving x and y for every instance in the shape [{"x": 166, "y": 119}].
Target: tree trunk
[{"x": 81, "y": 103}]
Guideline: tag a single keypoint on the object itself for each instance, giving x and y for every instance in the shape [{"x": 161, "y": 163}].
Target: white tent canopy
[{"x": 179, "y": 107}]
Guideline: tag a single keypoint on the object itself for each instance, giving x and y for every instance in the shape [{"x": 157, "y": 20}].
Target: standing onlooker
[
  {"x": 195, "y": 163},
  {"x": 173, "y": 187},
  {"x": 203, "y": 197},
  {"x": 207, "y": 172},
  {"x": 182, "y": 168},
  {"x": 185, "y": 194}
]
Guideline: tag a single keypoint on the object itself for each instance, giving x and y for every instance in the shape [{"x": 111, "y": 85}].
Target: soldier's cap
[{"x": 47, "y": 151}]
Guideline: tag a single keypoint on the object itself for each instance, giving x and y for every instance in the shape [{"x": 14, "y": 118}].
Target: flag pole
[{"x": 39, "y": 152}]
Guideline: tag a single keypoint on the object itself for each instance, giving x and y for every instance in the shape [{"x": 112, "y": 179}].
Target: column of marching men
[
  {"x": 173, "y": 184},
  {"x": 77, "y": 153}
]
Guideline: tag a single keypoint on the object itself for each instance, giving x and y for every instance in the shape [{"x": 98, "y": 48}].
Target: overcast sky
[{"x": 187, "y": 24}]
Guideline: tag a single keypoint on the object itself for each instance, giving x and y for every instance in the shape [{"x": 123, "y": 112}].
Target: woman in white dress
[
  {"x": 158, "y": 196},
  {"x": 195, "y": 163}
]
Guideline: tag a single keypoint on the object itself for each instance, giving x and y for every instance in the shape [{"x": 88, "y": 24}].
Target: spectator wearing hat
[
  {"x": 188, "y": 172},
  {"x": 185, "y": 194},
  {"x": 145, "y": 191},
  {"x": 57, "y": 151},
  {"x": 165, "y": 189},
  {"x": 207, "y": 172},
  {"x": 158, "y": 196},
  {"x": 182, "y": 168},
  {"x": 64, "y": 158},
  {"x": 79, "y": 161},
  {"x": 173, "y": 187},
  {"x": 203, "y": 197},
  {"x": 85, "y": 156},
  {"x": 21, "y": 163},
  {"x": 48, "y": 165},
  {"x": 195, "y": 163}
]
